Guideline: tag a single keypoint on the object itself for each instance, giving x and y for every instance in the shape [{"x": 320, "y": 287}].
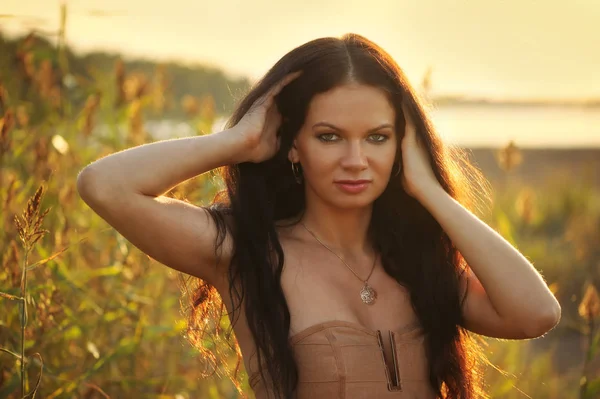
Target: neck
[{"x": 342, "y": 230}]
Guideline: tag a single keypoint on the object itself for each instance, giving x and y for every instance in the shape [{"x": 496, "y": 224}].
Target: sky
[{"x": 491, "y": 48}]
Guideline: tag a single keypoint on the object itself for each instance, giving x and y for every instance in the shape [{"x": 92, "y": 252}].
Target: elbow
[
  {"x": 83, "y": 184},
  {"x": 88, "y": 186},
  {"x": 546, "y": 321},
  {"x": 79, "y": 184}
]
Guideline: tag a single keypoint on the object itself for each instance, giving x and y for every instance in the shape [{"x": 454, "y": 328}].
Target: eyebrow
[{"x": 341, "y": 130}]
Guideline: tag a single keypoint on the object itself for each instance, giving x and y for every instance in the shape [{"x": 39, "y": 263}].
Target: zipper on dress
[{"x": 393, "y": 383}]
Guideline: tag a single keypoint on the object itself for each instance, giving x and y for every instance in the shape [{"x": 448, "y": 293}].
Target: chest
[{"x": 319, "y": 288}]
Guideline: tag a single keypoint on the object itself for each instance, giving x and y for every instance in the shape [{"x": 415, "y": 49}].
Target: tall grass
[{"x": 87, "y": 315}]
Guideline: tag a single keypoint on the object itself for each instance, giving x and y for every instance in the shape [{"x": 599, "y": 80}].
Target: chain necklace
[{"x": 367, "y": 293}]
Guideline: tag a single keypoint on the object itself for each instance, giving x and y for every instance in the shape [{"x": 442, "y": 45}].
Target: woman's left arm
[{"x": 507, "y": 297}]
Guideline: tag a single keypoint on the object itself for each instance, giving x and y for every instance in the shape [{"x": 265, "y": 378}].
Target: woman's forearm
[{"x": 155, "y": 168}]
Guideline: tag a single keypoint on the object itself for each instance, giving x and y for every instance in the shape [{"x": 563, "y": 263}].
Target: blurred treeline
[
  {"x": 81, "y": 75},
  {"x": 96, "y": 318}
]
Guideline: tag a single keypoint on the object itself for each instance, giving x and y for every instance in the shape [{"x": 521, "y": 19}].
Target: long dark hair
[{"x": 402, "y": 230}]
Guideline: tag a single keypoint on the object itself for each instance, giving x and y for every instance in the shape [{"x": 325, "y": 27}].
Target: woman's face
[{"x": 348, "y": 137}]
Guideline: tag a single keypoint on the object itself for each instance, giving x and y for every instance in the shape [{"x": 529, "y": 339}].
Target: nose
[{"x": 355, "y": 156}]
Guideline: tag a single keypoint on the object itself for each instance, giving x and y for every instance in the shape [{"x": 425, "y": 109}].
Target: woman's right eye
[{"x": 327, "y": 137}]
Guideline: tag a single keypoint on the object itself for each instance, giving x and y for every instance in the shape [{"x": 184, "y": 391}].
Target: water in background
[
  {"x": 529, "y": 126},
  {"x": 480, "y": 126}
]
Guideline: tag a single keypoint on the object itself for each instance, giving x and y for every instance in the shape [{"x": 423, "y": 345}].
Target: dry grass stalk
[
  {"x": 120, "y": 83},
  {"x": 3, "y": 99},
  {"x": 6, "y": 124},
  {"x": 45, "y": 78},
  {"x": 22, "y": 116},
  {"x": 136, "y": 123},
  {"x": 10, "y": 190},
  {"x": 89, "y": 113},
  {"x": 207, "y": 108},
  {"x": 526, "y": 205},
  {"x": 509, "y": 157},
  {"x": 190, "y": 105},
  {"x": 41, "y": 164},
  {"x": 135, "y": 86},
  {"x": 10, "y": 265},
  {"x": 29, "y": 224},
  {"x": 161, "y": 86},
  {"x": 589, "y": 308},
  {"x": 29, "y": 231}
]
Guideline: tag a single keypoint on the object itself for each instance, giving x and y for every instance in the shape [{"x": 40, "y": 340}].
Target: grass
[{"x": 87, "y": 315}]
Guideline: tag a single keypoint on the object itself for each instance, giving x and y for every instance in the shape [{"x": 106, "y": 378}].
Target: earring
[
  {"x": 399, "y": 169},
  {"x": 296, "y": 173}
]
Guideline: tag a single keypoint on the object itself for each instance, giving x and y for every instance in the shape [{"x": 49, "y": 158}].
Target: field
[{"x": 93, "y": 317}]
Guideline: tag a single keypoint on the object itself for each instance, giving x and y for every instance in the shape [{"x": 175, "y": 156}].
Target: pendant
[{"x": 368, "y": 294}]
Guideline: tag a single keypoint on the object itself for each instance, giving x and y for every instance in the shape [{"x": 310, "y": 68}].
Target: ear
[{"x": 293, "y": 155}]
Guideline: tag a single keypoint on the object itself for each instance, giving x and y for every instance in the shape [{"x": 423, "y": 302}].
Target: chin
[
  {"x": 345, "y": 201},
  {"x": 341, "y": 200}
]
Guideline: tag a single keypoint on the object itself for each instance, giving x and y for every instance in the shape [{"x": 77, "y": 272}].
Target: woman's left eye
[{"x": 379, "y": 138}]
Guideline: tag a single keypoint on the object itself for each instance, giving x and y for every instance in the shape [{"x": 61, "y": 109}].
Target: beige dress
[{"x": 344, "y": 360}]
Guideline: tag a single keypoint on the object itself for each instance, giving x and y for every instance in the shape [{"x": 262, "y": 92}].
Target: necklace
[{"x": 367, "y": 293}]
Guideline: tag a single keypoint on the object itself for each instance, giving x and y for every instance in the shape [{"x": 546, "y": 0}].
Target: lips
[
  {"x": 353, "y": 181},
  {"x": 352, "y": 186}
]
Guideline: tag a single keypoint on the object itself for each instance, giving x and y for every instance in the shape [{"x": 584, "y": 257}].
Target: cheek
[
  {"x": 319, "y": 165},
  {"x": 318, "y": 158},
  {"x": 384, "y": 158}
]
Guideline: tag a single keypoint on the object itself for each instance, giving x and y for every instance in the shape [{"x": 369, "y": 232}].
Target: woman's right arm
[{"x": 126, "y": 188}]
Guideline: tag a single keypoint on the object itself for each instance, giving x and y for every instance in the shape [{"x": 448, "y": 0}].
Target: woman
[{"x": 341, "y": 247}]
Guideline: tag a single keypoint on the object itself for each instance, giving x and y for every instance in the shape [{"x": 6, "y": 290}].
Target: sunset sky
[{"x": 493, "y": 48}]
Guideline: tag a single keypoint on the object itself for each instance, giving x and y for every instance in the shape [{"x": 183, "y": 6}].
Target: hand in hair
[
  {"x": 259, "y": 125},
  {"x": 417, "y": 173}
]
